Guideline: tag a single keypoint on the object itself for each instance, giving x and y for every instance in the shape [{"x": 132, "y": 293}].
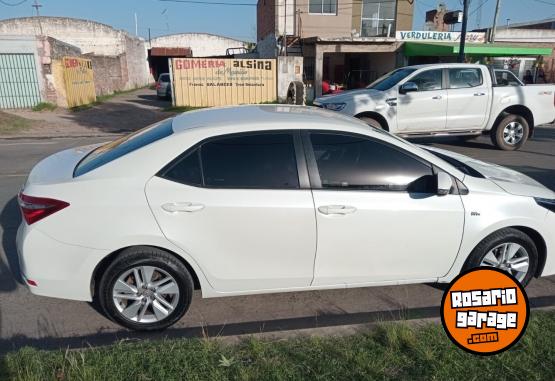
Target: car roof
[
  {"x": 446, "y": 65},
  {"x": 264, "y": 117}
]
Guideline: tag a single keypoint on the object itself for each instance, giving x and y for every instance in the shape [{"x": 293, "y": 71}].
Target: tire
[
  {"x": 371, "y": 122},
  {"x": 295, "y": 93},
  {"x": 144, "y": 257},
  {"x": 505, "y": 236},
  {"x": 502, "y": 141}
]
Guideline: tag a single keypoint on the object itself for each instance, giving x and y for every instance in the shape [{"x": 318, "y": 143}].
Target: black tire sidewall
[
  {"x": 168, "y": 264},
  {"x": 503, "y": 236},
  {"x": 497, "y": 135}
]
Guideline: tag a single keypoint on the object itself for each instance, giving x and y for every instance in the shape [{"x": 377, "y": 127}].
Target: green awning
[{"x": 415, "y": 49}]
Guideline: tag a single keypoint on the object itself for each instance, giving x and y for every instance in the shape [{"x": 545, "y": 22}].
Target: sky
[{"x": 167, "y": 17}]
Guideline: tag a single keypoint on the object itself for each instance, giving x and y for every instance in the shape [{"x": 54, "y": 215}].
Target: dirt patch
[
  {"x": 120, "y": 114},
  {"x": 13, "y": 124}
]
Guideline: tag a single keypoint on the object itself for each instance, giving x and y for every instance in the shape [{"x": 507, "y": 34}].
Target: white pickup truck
[{"x": 450, "y": 99}]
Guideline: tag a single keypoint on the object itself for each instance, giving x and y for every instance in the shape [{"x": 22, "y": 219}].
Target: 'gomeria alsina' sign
[{"x": 216, "y": 82}]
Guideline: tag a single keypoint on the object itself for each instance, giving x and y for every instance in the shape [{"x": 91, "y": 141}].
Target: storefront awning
[{"x": 416, "y": 49}]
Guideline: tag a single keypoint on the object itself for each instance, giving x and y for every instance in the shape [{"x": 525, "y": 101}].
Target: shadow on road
[
  {"x": 152, "y": 100},
  {"x": 9, "y": 272},
  {"x": 267, "y": 326},
  {"x": 118, "y": 117}
]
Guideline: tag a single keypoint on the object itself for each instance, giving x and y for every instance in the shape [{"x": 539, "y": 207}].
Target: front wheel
[
  {"x": 371, "y": 122},
  {"x": 511, "y": 133},
  {"x": 509, "y": 250},
  {"x": 145, "y": 289}
]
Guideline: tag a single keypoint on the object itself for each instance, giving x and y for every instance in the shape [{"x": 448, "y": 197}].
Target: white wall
[
  {"x": 202, "y": 44},
  {"x": 525, "y": 35}
]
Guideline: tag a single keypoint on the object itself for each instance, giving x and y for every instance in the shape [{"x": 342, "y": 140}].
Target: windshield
[
  {"x": 391, "y": 79},
  {"x": 122, "y": 146}
]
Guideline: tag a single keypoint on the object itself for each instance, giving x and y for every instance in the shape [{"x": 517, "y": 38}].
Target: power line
[
  {"x": 544, "y": 2},
  {"x": 14, "y": 4},
  {"x": 479, "y": 7}
]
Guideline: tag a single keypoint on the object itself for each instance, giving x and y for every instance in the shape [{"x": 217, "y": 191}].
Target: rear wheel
[
  {"x": 509, "y": 250},
  {"x": 145, "y": 289},
  {"x": 371, "y": 122},
  {"x": 511, "y": 133}
]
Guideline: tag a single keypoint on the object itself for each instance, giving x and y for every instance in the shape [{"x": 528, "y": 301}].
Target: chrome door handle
[
  {"x": 337, "y": 209},
  {"x": 479, "y": 94},
  {"x": 176, "y": 207},
  {"x": 437, "y": 97}
]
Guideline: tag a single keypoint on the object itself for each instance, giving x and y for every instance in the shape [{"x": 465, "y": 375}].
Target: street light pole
[{"x": 463, "y": 32}]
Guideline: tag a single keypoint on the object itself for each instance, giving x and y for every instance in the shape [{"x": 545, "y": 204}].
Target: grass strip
[{"x": 392, "y": 351}]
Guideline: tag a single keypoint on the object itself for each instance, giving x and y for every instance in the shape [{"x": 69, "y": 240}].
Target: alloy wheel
[
  {"x": 513, "y": 133},
  {"x": 509, "y": 257},
  {"x": 145, "y": 294}
]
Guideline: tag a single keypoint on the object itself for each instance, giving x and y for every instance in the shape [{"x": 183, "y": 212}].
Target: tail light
[
  {"x": 158, "y": 85},
  {"x": 34, "y": 209}
]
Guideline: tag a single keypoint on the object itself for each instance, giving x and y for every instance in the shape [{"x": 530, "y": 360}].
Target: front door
[
  {"x": 241, "y": 214},
  {"x": 378, "y": 216},
  {"x": 426, "y": 109}
]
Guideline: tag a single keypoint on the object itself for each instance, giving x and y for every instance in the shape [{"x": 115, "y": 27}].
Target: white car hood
[
  {"x": 350, "y": 95},
  {"x": 507, "y": 179}
]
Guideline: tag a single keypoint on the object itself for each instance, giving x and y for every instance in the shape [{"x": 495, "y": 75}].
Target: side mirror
[
  {"x": 408, "y": 87},
  {"x": 444, "y": 183}
]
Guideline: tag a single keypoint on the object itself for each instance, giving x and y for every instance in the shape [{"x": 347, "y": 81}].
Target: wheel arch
[
  {"x": 375, "y": 115},
  {"x": 519, "y": 110},
  {"x": 540, "y": 246},
  {"x": 107, "y": 260},
  {"x": 534, "y": 235}
]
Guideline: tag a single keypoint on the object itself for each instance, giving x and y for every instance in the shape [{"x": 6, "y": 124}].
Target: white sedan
[{"x": 260, "y": 199}]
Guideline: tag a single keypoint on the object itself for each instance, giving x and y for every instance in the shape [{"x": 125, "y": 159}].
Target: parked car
[
  {"x": 261, "y": 199},
  {"x": 164, "y": 87},
  {"x": 450, "y": 99}
]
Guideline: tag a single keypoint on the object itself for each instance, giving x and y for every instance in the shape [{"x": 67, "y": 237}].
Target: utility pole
[
  {"x": 463, "y": 32},
  {"x": 37, "y": 7},
  {"x": 285, "y": 28},
  {"x": 149, "y": 35},
  {"x": 495, "y": 19},
  {"x": 136, "y": 25}
]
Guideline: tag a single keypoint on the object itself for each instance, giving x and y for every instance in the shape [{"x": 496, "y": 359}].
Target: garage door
[{"x": 19, "y": 87}]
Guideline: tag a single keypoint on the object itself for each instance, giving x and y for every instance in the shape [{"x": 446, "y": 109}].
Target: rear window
[
  {"x": 120, "y": 147},
  {"x": 164, "y": 78}
]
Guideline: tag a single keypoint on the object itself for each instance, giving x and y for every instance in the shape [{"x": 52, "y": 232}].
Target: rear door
[
  {"x": 426, "y": 109},
  {"x": 242, "y": 207},
  {"x": 468, "y": 98}
]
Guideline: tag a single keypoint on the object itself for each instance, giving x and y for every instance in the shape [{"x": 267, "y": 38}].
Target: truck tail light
[{"x": 35, "y": 209}]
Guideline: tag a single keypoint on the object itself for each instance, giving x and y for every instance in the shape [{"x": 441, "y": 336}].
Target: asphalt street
[{"x": 43, "y": 322}]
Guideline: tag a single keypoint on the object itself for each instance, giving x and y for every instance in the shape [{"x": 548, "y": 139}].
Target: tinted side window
[
  {"x": 186, "y": 170},
  {"x": 464, "y": 78},
  {"x": 352, "y": 162},
  {"x": 253, "y": 161},
  {"x": 429, "y": 80}
]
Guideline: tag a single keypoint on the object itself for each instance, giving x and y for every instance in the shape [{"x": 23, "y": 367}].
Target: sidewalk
[{"x": 119, "y": 115}]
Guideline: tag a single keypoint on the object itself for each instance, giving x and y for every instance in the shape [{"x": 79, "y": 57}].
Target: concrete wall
[
  {"x": 201, "y": 44},
  {"x": 289, "y": 69},
  {"x": 92, "y": 38},
  {"x": 267, "y": 47}
]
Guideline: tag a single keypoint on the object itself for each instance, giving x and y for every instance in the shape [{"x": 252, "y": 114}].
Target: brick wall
[
  {"x": 108, "y": 73},
  {"x": 265, "y": 18}
]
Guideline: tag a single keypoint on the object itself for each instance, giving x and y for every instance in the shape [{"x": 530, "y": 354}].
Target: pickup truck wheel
[
  {"x": 371, "y": 122},
  {"x": 511, "y": 133}
]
